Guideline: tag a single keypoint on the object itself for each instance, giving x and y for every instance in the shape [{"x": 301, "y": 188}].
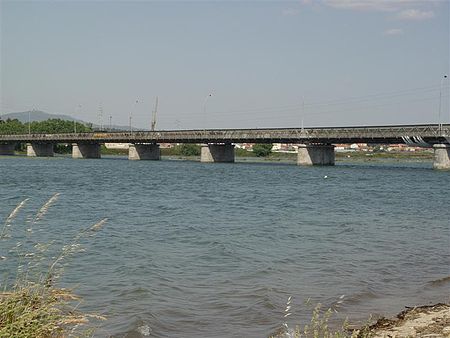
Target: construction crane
[{"x": 153, "y": 123}]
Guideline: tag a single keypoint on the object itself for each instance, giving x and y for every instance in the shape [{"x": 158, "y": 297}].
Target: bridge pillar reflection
[
  {"x": 217, "y": 153},
  {"x": 85, "y": 150},
  {"x": 315, "y": 154},
  {"x": 40, "y": 149},
  {"x": 148, "y": 151},
  {"x": 7, "y": 148},
  {"x": 441, "y": 156}
]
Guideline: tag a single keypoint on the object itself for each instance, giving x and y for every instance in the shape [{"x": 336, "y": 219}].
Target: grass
[
  {"x": 33, "y": 305},
  {"x": 318, "y": 326}
]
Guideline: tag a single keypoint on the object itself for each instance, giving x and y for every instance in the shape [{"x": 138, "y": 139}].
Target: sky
[{"x": 228, "y": 64}]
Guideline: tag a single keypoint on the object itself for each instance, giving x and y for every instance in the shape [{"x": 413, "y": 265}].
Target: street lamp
[
  {"x": 303, "y": 113},
  {"x": 204, "y": 108},
  {"x": 440, "y": 100}
]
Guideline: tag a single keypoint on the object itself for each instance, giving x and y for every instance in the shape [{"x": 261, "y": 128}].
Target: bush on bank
[
  {"x": 262, "y": 149},
  {"x": 32, "y": 305}
]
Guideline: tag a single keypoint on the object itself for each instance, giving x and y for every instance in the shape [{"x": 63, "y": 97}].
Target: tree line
[
  {"x": 59, "y": 126},
  {"x": 50, "y": 126}
]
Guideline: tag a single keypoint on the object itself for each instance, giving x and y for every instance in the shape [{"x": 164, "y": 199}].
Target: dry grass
[
  {"x": 318, "y": 327},
  {"x": 33, "y": 305}
]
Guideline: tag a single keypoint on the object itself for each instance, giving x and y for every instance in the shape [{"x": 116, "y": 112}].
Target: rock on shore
[{"x": 431, "y": 321}]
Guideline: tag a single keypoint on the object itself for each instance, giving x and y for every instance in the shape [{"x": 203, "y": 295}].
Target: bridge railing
[{"x": 388, "y": 134}]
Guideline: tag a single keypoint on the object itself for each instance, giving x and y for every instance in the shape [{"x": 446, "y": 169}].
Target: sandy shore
[{"x": 422, "y": 321}]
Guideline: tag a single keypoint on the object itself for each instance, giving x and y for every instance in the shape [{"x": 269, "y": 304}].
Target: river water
[{"x": 215, "y": 250}]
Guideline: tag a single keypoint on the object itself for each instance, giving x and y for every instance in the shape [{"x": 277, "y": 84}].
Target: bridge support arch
[
  {"x": 7, "y": 148},
  {"x": 217, "y": 153},
  {"x": 441, "y": 156},
  {"x": 40, "y": 149},
  {"x": 148, "y": 151},
  {"x": 315, "y": 154},
  {"x": 85, "y": 150}
]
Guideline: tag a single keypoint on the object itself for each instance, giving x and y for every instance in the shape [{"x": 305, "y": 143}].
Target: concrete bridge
[{"x": 315, "y": 144}]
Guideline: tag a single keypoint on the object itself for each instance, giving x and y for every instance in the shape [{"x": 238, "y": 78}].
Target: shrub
[
  {"x": 32, "y": 305},
  {"x": 262, "y": 149}
]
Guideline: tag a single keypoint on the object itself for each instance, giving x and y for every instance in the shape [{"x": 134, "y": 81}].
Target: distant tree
[
  {"x": 187, "y": 149},
  {"x": 262, "y": 149},
  {"x": 12, "y": 126},
  {"x": 51, "y": 126}
]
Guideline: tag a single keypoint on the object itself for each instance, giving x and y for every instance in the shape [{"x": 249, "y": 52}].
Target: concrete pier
[
  {"x": 85, "y": 150},
  {"x": 217, "y": 153},
  {"x": 148, "y": 151},
  {"x": 441, "y": 156},
  {"x": 7, "y": 148},
  {"x": 315, "y": 154},
  {"x": 40, "y": 149}
]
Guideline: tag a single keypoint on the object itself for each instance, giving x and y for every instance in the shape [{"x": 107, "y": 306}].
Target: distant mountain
[{"x": 37, "y": 115}]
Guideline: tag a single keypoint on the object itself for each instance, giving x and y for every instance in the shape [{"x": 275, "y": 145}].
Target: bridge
[{"x": 316, "y": 145}]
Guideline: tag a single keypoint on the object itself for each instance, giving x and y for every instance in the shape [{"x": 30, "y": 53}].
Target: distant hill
[{"x": 37, "y": 115}]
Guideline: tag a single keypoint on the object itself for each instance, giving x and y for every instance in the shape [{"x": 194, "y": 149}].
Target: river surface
[{"x": 215, "y": 250}]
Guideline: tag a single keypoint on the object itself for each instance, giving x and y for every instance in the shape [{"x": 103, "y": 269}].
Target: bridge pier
[
  {"x": 7, "y": 148},
  {"x": 149, "y": 151},
  {"x": 315, "y": 154},
  {"x": 441, "y": 156},
  {"x": 40, "y": 149},
  {"x": 85, "y": 150},
  {"x": 217, "y": 153}
]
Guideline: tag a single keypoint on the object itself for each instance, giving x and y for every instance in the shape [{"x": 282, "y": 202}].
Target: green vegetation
[
  {"x": 185, "y": 150},
  {"x": 319, "y": 327},
  {"x": 368, "y": 156},
  {"x": 190, "y": 149},
  {"x": 33, "y": 305},
  {"x": 262, "y": 149},
  {"x": 239, "y": 152},
  {"x": 44, "y": 127},
  {"x": 106, "y": 151}
]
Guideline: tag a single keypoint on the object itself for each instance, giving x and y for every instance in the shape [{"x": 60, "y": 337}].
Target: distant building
[{"x": 117, "y": 145}]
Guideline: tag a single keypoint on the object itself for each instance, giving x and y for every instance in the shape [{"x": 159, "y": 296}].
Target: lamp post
[
  {"x": 110, "y": 122},
  {"x": 303, "y": 113},
  {"x": 204, "y": 108},
  {"x": 440, "y": 101}
]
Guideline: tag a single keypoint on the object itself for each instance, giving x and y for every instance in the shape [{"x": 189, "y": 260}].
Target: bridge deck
[{"x": 423, "y": 135}]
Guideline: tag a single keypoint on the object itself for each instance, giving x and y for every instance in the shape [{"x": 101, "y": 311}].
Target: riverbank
[
  {"x": 248, "y": 156},
  {"x": 421, "y": 321},
  {"x": 431, "y": 321}
]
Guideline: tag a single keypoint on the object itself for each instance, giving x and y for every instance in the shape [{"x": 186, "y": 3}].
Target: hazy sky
[{"x": 351, "y": 62}]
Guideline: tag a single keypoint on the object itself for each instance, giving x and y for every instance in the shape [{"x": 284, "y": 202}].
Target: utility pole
[
  {"x": 100, "y": 116},
  {"x": 29, "y": 122},
  {"x": 131, "y": 128},
  {"x": 110, "y": 122}
]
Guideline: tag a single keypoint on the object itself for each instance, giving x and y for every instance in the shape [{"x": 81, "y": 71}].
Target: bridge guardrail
[{"x": 381, "y": 134}]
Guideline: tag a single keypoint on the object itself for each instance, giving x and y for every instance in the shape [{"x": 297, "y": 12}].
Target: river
[{"x": 214, "y": 250}]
